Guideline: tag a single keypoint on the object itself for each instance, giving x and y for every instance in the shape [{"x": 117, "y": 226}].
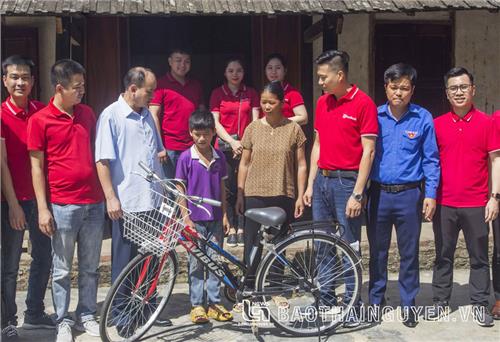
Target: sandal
[
  {"x": 219, "y": 313},
  {"x": 281, "y": 302},
  {"x": 198, "y": 315}
]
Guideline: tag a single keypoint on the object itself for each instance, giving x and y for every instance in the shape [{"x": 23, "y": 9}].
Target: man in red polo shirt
[
  {"x": 175, "y": 98},
  {"x": 495, "y": 268},
  {"x": 346, "y": 127},
  {"x": 18, "y": 204},
  {"x": 69, "y": 198},
  {"x": 465, "y": 139}
]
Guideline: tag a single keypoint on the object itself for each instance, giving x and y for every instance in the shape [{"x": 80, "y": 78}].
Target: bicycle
[{"x": 317, "y": 272}]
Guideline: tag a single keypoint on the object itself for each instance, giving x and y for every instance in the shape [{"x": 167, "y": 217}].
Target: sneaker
[
  {"x": 240, "y": 240},
  {"x": 91, "y": 327},
  {"x": 438, "y": 310},
  {"x": 232, "y": 241},
  {"x": 64, "y": 333},
  {"x": 482, "y": 316},
  {"x": 43, "y": 321},
  {"x": 9, "y": 333}
]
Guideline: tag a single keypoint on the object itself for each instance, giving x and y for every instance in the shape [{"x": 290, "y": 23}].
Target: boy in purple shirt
[{"x": 203, "y": 170}]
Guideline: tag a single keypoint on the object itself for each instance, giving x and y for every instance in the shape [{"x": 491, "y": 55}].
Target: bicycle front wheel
[
  {"x": 137, "y": 297},
  {"x": 310, "y": 284}
]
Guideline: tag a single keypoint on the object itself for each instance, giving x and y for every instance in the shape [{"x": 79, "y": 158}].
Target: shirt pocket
[{"x": 411, "y": 141}]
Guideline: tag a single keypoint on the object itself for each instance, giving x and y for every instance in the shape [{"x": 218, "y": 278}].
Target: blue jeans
[
  {"x": 196, "y": 269},
  {"x": 404, "y": 211},
  {"x": 82, "y": 224},
  {"x": 171, "y": 164},
  {"x": 330, "y": 196}
]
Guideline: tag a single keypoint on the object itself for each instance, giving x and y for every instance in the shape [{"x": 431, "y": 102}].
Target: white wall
[
  {"x": 46, "y": 47},
  {"x": 477, "y": 48}
]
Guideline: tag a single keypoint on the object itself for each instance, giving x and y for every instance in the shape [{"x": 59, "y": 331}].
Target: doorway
[{"x": 427, "y": 47}]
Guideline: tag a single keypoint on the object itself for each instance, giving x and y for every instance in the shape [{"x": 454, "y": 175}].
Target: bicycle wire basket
[{"x": 158, "y": 228}]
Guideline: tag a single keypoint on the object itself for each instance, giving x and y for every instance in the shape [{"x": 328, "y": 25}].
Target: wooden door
[
  {"x": 21, "y": 41},
  {"x": 106, "y": 60},
  {"x": 427, "y": 47},
  {"x": 282, "y": 34}
]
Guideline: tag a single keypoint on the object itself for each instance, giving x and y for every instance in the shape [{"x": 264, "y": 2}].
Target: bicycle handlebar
[
  {"x": 205, "y": 200},
  {"x": 196, "y": 200}
]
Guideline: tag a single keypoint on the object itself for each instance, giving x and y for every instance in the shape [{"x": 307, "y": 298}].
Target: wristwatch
[
  {"x": 496, "y": 196},
  {"x": 357, "y": 197}
]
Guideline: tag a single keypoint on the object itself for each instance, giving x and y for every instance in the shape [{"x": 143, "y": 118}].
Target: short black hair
[
  {"x": 275, "y": 88},
  {"x": 180, "y": 50},
  {"x": 455, "y": 72},
  {"x": 337, "y": 59},
  {"x": 137, "y": 76},
  {"x": 63, "y": 70},
  {"x": 277, "y": 56},
  {"x": 17, "y": 60},
  {"x": 201, "y": 119},
  {"x": 396, "y": 71}
]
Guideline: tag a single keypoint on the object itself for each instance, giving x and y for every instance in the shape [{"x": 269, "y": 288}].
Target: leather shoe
[
  {"x": 162, "y": 322},
  {"x": 409, "y": 319},
  {"x": 495, "y": 311}
]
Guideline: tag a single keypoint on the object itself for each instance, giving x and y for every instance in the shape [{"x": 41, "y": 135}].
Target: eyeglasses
[{"x": 463, "y": 87}]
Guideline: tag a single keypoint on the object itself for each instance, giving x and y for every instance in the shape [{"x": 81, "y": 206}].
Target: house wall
[
  {"x": 477, "y": 48},
  {"x": 47, "y": 47},
  {"x": 317, "y": 50},
  {"x": 355, "y": 39}
]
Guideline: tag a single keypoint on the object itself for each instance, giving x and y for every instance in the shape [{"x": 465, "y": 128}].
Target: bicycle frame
[{"x": 190, "y": 241}]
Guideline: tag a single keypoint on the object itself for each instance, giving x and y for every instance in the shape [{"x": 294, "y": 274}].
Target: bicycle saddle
[{"x": 272, "y": 216}]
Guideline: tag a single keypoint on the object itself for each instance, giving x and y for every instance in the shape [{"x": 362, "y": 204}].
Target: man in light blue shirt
[
  {"x": 126, "y": 135},
  {"x": 405, "y": 170}
]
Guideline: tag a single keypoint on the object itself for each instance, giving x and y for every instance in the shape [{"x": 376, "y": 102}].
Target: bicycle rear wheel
[
  {"x": 319, "y": 276},
  {"x": 137, "y": 297}
]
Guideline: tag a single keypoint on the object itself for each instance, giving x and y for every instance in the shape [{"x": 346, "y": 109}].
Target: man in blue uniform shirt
[{"x": 406, "y": 169}]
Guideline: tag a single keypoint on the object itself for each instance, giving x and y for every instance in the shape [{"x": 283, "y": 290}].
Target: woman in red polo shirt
[
  {"x": 293, "y": 105},
  {"x": 234, "y": 106}
]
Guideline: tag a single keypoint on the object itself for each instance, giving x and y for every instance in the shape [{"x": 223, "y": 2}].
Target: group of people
[{"x": 63, "y": 169}]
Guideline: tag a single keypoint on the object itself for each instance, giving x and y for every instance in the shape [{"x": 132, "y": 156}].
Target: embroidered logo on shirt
[
  {"x": 411, "y": 134},
  {"x": 345, "y": 116}
]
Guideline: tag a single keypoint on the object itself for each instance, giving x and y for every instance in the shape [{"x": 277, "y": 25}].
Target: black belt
[
  {"x": 394, "y": 188},
  {"x": 339, "y": 173}
]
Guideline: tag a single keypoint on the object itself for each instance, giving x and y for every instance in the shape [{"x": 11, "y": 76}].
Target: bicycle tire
[
  {"x": 271, "y": 310},
  {"x": 134, "y": 327}
]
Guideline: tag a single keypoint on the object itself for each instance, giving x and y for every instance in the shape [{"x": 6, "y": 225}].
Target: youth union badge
[{"x": 411, "y": 134}]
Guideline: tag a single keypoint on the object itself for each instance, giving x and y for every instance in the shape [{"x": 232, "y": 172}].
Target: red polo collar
[
  {"x": 228, "y": 92},
  {"x": 15, "y": 110},
  {"x": 467, "y": 117}
]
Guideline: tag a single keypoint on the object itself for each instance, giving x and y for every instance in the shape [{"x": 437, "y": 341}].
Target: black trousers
[
  {"x": 252, "y": 227},
  {"x": 232, "y": 166},
  {"x": 495, "y": 264},
  {"x": 447, "y": 224}
]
